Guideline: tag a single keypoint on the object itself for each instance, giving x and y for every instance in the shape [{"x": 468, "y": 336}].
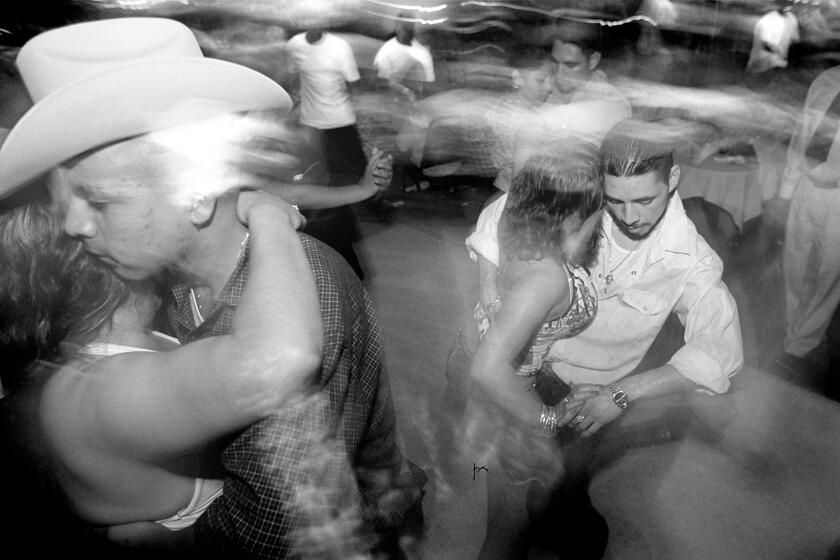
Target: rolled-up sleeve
[
  {"x": 483, "y": 240},
  {"x": 713, "y": 350}
]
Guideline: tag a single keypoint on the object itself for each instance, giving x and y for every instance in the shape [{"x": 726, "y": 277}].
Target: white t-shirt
[
  {"x": 325, "y": 67},
  {"x": 773, "y": 34},
  {"x": 399, "y": 62}
]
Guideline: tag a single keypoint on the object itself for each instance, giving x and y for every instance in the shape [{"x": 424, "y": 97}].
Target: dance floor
[{"x": 749, "y": 475}]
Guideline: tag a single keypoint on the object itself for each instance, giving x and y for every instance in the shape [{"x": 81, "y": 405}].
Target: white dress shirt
[{"x": 672, "y": 270}]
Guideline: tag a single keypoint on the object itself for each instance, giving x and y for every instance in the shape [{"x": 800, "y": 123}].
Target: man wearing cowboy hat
[{"x": 134, "y": 129}]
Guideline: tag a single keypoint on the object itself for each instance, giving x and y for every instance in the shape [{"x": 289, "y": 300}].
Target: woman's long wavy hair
[
  {"x": 50, "y": 289},
  {"x": 554, "y": 208}
]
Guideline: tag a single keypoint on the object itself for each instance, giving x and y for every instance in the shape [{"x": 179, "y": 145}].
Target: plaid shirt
[{"x": 291, "y": 490}]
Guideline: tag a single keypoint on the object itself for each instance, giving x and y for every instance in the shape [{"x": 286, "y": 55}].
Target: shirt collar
[
  {"x": 670, "y": 236},
  {"x": 228, "y": 297}
]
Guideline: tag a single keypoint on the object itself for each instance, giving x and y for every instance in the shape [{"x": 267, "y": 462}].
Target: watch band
[{"x": 619, "y": 396}]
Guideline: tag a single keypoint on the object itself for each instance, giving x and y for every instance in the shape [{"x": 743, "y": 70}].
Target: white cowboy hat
[{"x": 101, "y": 81}]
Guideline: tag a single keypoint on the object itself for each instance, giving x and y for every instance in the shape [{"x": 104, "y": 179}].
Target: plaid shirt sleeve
[{"x": 305, "y": 481}]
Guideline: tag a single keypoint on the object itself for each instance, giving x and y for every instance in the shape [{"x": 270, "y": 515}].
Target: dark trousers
[
  {"x": 345, "y": 161},
  {"x": 343, "y": 154}
]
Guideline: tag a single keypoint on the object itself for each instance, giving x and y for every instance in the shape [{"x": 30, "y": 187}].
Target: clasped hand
[
  {"x": 588, "y": 408},
  {"x": 378, "y": 172}
]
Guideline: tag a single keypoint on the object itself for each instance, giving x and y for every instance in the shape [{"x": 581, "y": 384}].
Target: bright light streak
[
  {"x": 429, "y": 9},
  {"x": 419, "y": 21},
  {"x": 560, "y": 13}
]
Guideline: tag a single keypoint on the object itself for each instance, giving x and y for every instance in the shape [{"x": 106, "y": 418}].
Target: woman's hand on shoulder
[{"x": 253, "y": 202}]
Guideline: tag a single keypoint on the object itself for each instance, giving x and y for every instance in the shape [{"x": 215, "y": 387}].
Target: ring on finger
[{"x": 579, "y": 418}]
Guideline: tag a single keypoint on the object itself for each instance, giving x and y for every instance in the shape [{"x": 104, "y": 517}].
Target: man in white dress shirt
[{"x": 651, "y": 262}]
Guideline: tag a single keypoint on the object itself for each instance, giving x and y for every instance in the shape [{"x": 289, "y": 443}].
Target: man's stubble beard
[{"x": 641, "y": 237}]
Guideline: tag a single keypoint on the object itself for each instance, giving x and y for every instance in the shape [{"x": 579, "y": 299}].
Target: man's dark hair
[
  {"x": 633, "y": 148},
  {"x": 588, "y": 37}
]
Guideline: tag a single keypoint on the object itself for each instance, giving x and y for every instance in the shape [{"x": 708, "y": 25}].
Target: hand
[
  {"x": 378, "y": 172},
  {"x": 574, "y": 401},
  {"x": 566, "y": 410},
  {"x": 598, "y": 408},
  {"x": 405, "y": 91},
  {"x": 255, "y": 200}
]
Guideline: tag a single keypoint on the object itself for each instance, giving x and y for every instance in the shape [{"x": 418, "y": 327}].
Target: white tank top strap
[{"x": 206, "y": 491}]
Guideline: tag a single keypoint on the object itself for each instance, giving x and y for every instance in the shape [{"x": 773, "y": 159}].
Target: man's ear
[
  {"x": 673, "y": 178},
  {"x": 202, "y": 207},
  {"x": 594, "y": 60}
]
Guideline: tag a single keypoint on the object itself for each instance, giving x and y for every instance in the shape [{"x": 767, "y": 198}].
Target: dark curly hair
[
  {"x": 50, "y": 289},
  {"x": 554, "y": 208}
]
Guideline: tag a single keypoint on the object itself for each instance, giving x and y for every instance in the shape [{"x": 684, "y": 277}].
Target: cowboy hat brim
[{"x": 127, "y": 101}]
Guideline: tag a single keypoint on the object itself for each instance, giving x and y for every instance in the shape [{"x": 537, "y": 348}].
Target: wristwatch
[{"x": 619, "y": 396}]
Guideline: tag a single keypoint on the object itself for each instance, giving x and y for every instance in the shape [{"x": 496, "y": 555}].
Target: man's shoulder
[
  {"x": 330, "y": 269},
  {"x": 679, "y": 236},
  {"x": 316, "y": 251},
  {"x": 390, "y": 45}
]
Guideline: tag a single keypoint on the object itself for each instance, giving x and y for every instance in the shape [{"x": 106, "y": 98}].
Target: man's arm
[
  {"x": 713, "y": 351},
  {"x": 595, "y": 403},
  {"x": 350, "y": 71}
]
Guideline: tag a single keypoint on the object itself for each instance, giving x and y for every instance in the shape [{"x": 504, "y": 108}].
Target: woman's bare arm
[
  {"x": 525, "y": 306},
  {"x": 377, "y": 177},
  {"x": 159, "y": 404}
]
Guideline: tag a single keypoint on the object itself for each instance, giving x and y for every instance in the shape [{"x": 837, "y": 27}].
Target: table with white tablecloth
[{"x": 730, "y": 183}]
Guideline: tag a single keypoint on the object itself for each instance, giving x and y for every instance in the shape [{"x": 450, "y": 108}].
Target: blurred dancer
[
  {"x": 576, "y": 49},
  {"x": 582, "y": 105},
  {"x": 811, "y": 189},
  {"x": 773, "y": 34},
  {"x": 651, "y": 262},
  {"x": 516, "y": 111},
  {"x": 105, "y": 356},
  {"x": 147, "y": 138},
  {"x": 326, "y": 66},
  {"x": 405, "y": 63},
  {"x": 406, "y": 66}
]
